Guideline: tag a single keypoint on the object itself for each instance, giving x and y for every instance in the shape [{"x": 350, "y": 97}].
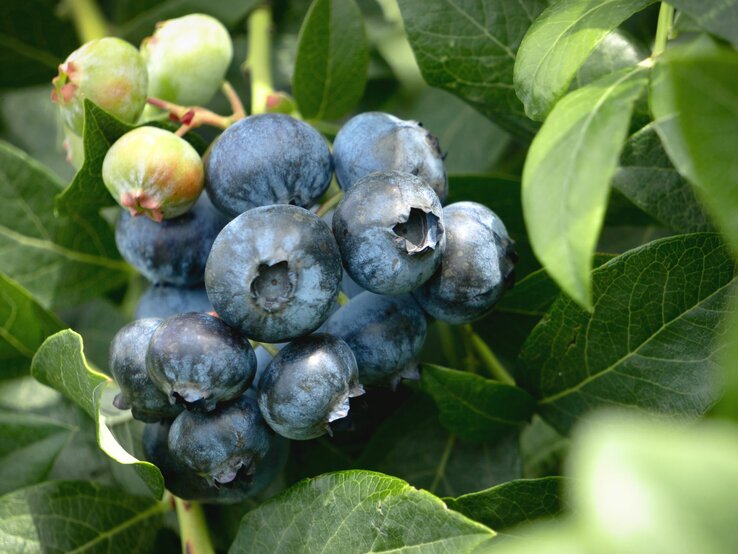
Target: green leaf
[
  {"x": 25, "y": 326},
  {"x": 33, "y": 42},
  {"x": 413, "y": 445},
  {"x": 512, "y": 503},
  {"x": 60, "y": 363},
  {"x": 29, "y": 446},
  {"x": 468, "y": 48},
  {"x": 332, "y": 60},
  {"x": 78, "y": 516},
  {"x": 474, "y": 408},
  {"x": 648, "y": 342},
  {"x": 60, "y": 260},
  {"x": 694, "y": 99},
  {"x": 719, "y": 17},
  {"x": 567, "y": 176},
  {"x": 357, "y": 511},
  {"x": 558, "y": 43},
  {"x": 648, "y": 179},
  {"x": 618, "y": 50},
  {"x": 542, "y": 449}
]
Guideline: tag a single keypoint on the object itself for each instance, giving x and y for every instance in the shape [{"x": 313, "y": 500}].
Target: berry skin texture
[
  {"x": 187, "y": 59},
  {"x": 174, "y": 251},
  {"x": 198, "y": 360},
  {"x": 476, "y": 269},
  {"x": 390, "y": 230},
  {"x": 308, "y": 385},
  {"x": 165, "y": 301},
  {"x": 376, "y": 141},
  {"x": 267, "y": 159},
  {"x": 274, "y": 273},
  {"x": 385, "y": 333},
  {"x": 128, "y": 366},
  {"x": 153, "y": 172},
  {"x": 217, "y": 445},
  {"x": 110, "y": 72}
]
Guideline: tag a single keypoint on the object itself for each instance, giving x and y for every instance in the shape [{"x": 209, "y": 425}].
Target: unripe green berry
[
  {"x": 153, "y": 172},
  {"x": 187, "y": 59},
  {"x": 110, "y": 72}
]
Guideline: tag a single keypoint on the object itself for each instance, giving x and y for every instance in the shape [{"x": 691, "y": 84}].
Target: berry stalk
[
  {"x": 193, "y": 528},
  {"x": 258, "y": 61},
  {"x": 88, "y": 20}
]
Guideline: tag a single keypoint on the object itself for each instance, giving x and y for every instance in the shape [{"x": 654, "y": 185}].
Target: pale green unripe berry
[
  {"x": 153, "y": 172},
  {"x": 187, "y": 59},
  {"x": 110, "y": 72}
]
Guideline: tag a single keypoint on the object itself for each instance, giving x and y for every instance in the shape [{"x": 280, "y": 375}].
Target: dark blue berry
[{"x": 167, "y": 300}]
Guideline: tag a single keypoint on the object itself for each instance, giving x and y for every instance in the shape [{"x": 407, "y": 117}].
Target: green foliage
[{"x": 719, "y": 18}]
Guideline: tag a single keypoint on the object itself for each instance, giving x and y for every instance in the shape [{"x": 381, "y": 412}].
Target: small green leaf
[
  {"x": 694, "y": 99},
  {"x": 29, "y": 445},
  {"x": 468, "y": 48},
  {"x": 78, "y": 516},
  {"x": 475, "y": 408},
  {"x": 357, "y": 511},
  {"x": 60, "y": 363},
  {"x": 332, "y": 60},
  {"x": 60, "y": 260},
  {"x": 648, "y": 344},
  {"x": 567, "y": 176},
  {"x": 559, "y": 42},
  {"x": 542, "y": 449},
  {"x": 718, "y": 16},
  {"x": 648, "y": 179},
  {"x": 25, "y": 326},
  {"x": 513, "y": 503}
]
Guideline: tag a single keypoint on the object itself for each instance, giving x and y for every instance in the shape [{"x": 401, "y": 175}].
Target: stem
[
  {"x": 343, "y": 298},
  {"x": 329, "y": 204},
  {"x": 663, "y": 28},
  {"x": 273, "y": 350},
  {"x": 88, "y": 20},
  {"x": 493, "y": 365},
  {"x": 258, "y": 61},
  {"x": 441, "y": 469},
  {"x": 193, "y": 529},
  {"x": 236, "y": 106},
  {"x": 448, "y": 345}
]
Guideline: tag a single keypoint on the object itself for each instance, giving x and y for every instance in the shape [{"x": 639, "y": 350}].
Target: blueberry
[
  {"x": 217, "y": 445},
  {"x": 174, "y": 251},
  {"x": 187, "y": 59},
  {"x": 274, "y": 273},
  {"x": 153, "y": 172},
  {"x": 128, "y": 366},
  {"x": 110, "y": 72},
  {"x": 267, "y": 159},
  {"x": 197, "y": 359},
  {"x": 385, "y": 333},
  {"x": 389, "y": 228},
  {"x": 165, "y": 301},
  {"x": 308, "y": 385},
  {"x": 375, "y": 141},
  {"x": 476, "y": 269}
]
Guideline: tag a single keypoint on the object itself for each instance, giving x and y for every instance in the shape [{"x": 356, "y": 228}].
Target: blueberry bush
[{"x": 369, "y": 276}]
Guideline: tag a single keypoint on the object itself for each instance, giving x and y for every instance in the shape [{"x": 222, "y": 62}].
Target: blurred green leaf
[
  {"x": 60, "y": 364},
  {"x": 694, "y": 99},
  {"x": 719, "y": 16},
  {"x": 357, "y": 511},
  {"x": 558, "y": 43},
  {"x": 60, "y": 260},
  {"x": 474, "y": 408},
  {"x": 33, "y": 42},
  {"x": 567, "y": 176},
  {"x": 647, "y": 344},
  {"x": 513, "y": 503},
  {"x": 332, "y": 60},
  {"x": 468, "y": 48},
  {"x": 77, "y": 516},
  {"x": 616, "y": 51}
]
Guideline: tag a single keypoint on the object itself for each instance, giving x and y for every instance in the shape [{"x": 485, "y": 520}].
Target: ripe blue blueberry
[
  {"x": 274, "y": 273},
  {"x": 385, "y": 333},
  {"x": 308, "y": 385},
  {"x": 476, "y": 269},
  {"x": 166, "y": 300},
  {"x": 389, "y": 228},
  {"x": 375, "y": 141},
  {"x": 174, "y": 251},
  {"x": 220, "y": 444},
  {"x": 128, "y": 366},
  {"x": 199, "y": 360},
  {"x": 267, "y": 159}
]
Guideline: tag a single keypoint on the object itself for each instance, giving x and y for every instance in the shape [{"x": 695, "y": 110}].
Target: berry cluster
[{"x": 219, "y": 411}]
